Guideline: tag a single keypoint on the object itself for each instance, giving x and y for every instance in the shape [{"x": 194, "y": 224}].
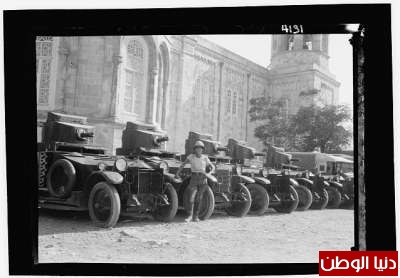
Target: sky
[{"x": 257, "y": 48}]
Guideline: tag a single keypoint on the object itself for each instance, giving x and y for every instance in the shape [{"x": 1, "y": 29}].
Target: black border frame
[{"x": 20, "y": 29}]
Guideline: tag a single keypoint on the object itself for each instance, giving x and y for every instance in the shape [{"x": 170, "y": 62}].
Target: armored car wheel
[
  {"x": 322, "y": 201},
  {"x": 104, "y": 205},
  {"x": 288, "y": 203},
  {"x": 207, "y": 205},
  {"x": 167, "y": 212},
  {"x": 305, "y": 198},
  {"x": 61, "y": 178},
  {"x": 259, "y": 199},
  {"x": 334, "y": 198},
  {"x": 240, "y": 201}
]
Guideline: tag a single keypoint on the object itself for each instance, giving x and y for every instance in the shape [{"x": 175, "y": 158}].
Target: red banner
[{"x": 358, "y": 263}]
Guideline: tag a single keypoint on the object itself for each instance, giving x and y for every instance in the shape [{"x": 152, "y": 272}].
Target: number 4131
[{"x": 292, "y": 29}]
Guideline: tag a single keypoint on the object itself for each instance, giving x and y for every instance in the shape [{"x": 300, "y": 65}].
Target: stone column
[
  {"x": 221, "y": 65},
  {"x": 152, "y": 98},
  {"x": 317, "y": 42},
  {"x": 325, "y": 44},
  {"x": 164, "y": 103},
  {"x": 117, "y": 60},
  {"x": 298, "y": 42},
  {"x": 64, "y": 52},
  {"x": 247, "y": 104}
]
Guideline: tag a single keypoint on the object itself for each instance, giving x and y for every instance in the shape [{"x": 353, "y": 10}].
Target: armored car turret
[{"x": 281, "y": 189}]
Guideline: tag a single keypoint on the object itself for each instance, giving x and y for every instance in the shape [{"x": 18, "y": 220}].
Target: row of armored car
[{"x": 74, "y": 174}]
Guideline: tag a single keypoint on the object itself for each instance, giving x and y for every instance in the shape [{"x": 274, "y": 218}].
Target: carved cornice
[{"x": 204, "y": 59}]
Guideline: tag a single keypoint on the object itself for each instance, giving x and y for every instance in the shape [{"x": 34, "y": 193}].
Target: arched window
[
  {"x": 307, "y": 42},
  {"x": 211, "y": 96},
  {"x": 234, "y": 102},
  {"x": 228, "y": 102},
  {"x": 290, "y": 42},
  {"x": 325, "y": 44},
  {"x": 160, "y": 91},
  {"x": 196, "y": 92},
  {"x": 204, "y": 93},
  {"x": 135, "y": 77}
]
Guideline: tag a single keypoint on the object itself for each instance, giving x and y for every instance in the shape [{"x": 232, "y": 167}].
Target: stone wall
[
  {"x": 189, "y": 84},
  {"x": 211, "y": 87}
]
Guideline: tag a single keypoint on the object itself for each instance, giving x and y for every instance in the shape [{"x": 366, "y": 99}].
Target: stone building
[
  {"x": 299, "y": 71},
  {"x": 179, "y": 83}
]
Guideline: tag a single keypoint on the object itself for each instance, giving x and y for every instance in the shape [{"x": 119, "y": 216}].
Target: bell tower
[{"x": 300, "y": 71}]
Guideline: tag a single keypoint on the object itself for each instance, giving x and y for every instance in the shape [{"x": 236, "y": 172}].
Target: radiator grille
[
  {"x": 146, "y": 181},
  {"x": 224, "y": 180}
]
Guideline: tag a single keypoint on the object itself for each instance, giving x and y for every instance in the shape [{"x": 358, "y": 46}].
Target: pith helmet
[{"x": 198, "y": 144}]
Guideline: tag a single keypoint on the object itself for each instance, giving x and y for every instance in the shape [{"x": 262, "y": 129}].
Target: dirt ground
[{"x": 271, "y": 238}]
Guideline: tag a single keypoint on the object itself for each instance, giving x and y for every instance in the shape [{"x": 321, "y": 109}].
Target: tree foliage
[
  {"x": 311, "y": 127},
  {"x": 273, "y": 121},
  {"x": 321, "y": 127}
]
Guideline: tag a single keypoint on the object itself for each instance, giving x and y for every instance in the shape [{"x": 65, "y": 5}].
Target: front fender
[
  {"x": 242, "y": 179},
  {"x": 171, "y": 178},
  {"x": 110, "y": 176},
  {"x": 304, "y": 181},
  {"x": 262, "y": 181},
  {"x": 336, "y": 184},
  {"x": 211, "y": 179},
  {"x": 293, "y": 182}
]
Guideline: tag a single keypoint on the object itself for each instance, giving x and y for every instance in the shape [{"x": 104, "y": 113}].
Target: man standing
[{"x": 198, "y": 180}]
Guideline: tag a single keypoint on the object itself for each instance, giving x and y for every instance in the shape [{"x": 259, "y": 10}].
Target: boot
[
  {"x": 189, "y": 218},
  {"x": 196, "y": 212}
]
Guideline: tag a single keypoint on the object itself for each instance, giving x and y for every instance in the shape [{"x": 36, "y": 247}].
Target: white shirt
[{"x": 198, "y": 164}]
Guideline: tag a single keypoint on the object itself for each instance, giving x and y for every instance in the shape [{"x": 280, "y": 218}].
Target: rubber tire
[
  {"x": 115, "y": 205},
  {"x": 167, "y": 213},
  {"x": 305, "y": 198},
  {"x": 69, "y": 171},
  {"x": 238, "y": 208},
  {"x": 206, "y": 207},
  {"x": 323, "y": 203},
  {"x": 259, "y": 199},
  {"x": 288, "y": 206},
  {"x": 334, "y": 198}
]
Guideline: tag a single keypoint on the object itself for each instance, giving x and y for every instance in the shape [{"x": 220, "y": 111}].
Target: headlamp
[
  {"x": 164, "y": 166},
  {"x": 101, "y": 166},
  {"x": 264, "y": 173},
  {"x": 121, "y": 164}
]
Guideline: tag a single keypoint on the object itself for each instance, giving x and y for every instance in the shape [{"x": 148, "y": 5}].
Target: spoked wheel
[
  {"x": 104, "y": 205},
  {"x": 240, "y": 201},
  {"x": 305, "y": 198},
  {"x": 259, "y": 199},
  {"x": 167, "y": 212},
  {"x": 289, "y": 202},
  {"x": 334, "y": 198},
  {"x": 207, "y": 204},
  {"x": 320, "y": 201}
]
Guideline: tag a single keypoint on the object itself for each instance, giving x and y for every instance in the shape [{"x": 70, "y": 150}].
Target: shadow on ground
[{"x": 59, "y": 222}]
